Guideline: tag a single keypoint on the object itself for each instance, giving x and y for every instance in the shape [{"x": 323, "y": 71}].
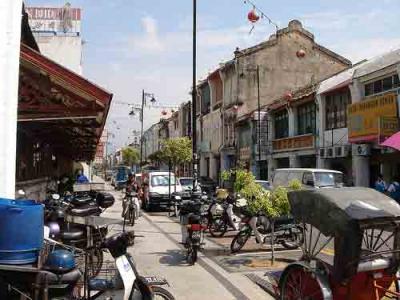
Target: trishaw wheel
[{"x": 300, "y": 284}]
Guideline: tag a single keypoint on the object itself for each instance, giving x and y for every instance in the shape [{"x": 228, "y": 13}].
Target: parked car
[
  {"x": 186, "y": 183},
  {"x": 156, "y": 187},
  {"x": 265, "y": 184},
  {"x": 310, "y": 178},
  {"x": 208, "y": 185}
]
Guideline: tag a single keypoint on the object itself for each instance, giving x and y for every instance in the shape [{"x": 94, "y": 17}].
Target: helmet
[{"x": 59, "y": 261}]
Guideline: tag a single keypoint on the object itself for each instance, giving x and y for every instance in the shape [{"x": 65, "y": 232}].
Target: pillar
[
  {"x": 10, "y": 36},
  {"x": 292, "y": 116},
  {"x": 361, "y": 170}
]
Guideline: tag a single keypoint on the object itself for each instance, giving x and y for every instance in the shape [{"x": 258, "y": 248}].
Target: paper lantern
[
  {"x": 300, "y": 53},
  {"x": 252, "y": 16}
]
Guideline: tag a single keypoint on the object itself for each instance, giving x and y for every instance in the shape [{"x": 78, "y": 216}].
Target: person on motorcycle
[{"x": 131, "y": 186}]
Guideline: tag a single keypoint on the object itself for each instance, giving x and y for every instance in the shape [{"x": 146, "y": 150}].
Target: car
[
  {"x": 309, "y": 178},
  {"x": 208, "y": 185},
  {"x": 264, "y": 184},
  {"x": 186, "y": 183},
  {"x": 157, "y": 186}
]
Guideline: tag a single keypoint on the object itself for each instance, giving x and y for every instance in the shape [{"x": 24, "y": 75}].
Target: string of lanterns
[
  {"x": 135, "y": 108},
  {"x": 256, "y": 14}
]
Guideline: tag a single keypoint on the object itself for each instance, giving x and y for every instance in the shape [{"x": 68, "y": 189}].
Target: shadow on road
[{"x": 172, "y": 257}]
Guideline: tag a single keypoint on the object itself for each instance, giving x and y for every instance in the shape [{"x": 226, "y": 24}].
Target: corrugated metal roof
[{"x": 378, "y": 63}]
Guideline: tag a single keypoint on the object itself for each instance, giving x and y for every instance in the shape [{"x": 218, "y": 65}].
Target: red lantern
[
  {"x": 288, "y": 96},
  {"x": 300, "y": 53},
  {"x": 164, "y": 112},
  {"x": 252, "y": 16}
]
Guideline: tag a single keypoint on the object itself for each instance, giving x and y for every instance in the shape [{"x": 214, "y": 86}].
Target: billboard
[
  {"x": 364, "y": 117},
  {"x": 55, "y": 20}
]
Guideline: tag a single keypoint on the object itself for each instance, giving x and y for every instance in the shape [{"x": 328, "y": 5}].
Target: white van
[
  {"x": 310, "y": 178},
  {"x": 156, "y": 188}
]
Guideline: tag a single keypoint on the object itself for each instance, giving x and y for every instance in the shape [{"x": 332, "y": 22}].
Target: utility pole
[
  {"x": 194, "y": 99},
  {"x": 259, "y": 122},
  {"x": 141, "y": 131}
]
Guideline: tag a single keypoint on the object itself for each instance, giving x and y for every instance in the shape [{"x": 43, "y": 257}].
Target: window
[
  {"x": 336, "y": 110},
  {"x": 306, "y": 118},
  {"x": 382, "y": 85},
  {"x": 308, "y": 179},
  {"x": 162, "y": 180},
  {"x": 281, "y": 124}
]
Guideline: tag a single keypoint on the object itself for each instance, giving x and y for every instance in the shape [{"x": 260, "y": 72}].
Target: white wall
[
  {"x": 65, "y": 50},
  {"x": 10, "y": 35}
]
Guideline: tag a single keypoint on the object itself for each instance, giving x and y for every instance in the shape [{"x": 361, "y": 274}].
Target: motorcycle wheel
[
  {"x": 218, "y": 227},
  {"x": 192, "y": 255},
  {"x": 240, "y": 239},
  {"x": 161, "y": 293},
  {"x": 297, "y": 239},
  {"x": 132, "y": 216}
]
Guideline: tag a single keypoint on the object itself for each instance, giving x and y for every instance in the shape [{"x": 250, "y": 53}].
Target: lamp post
[
  {"x": 194, "y": 98},
  {"x": 152, "y": 100}
]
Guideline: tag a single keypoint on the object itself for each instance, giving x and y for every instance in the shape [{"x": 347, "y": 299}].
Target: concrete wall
[
  {"x": 65, "y": 50},
  {"x": 280, "y": 68}
]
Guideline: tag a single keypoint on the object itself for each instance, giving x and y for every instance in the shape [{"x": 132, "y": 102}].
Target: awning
[{"x": 59, "y": 106}]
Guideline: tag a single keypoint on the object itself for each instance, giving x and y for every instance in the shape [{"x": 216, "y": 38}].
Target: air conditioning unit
[
  {"x": 322, "y": 152},
  {"x": 341, "y": 151},
  {"x": 361, "y": 150},
  {"x": 329, "y": 152}
]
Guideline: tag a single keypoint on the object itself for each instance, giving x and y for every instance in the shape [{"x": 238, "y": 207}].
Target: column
[
  {"x": 292, "y": 116},
  {"x": 361, "y": 170},
  {"x": 356, "y": 91},
  {"x": 271, "y": 167},
  {"x": 10, "y": 36}
]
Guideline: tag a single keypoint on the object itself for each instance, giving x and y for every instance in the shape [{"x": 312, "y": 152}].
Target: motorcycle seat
[
  {"x": 82, "y": 200},
  {"x": 73, "y": 234},
  {"x": 85, "y": 211},
  {"x": 70, "y": 277}
]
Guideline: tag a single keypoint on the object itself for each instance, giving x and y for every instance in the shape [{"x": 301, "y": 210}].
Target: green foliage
[
  {"x": 273, "y": 204},
  {"x": 156, "y": 157},
  {"x": 176, "y": 150},
  {"x": 130, "y": 156}
]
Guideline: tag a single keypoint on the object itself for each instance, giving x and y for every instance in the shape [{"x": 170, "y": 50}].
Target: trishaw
[{"x": 351, "y": 249}]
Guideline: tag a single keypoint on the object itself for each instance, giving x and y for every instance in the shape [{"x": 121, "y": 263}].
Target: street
[{"x": 159, "y": 253}]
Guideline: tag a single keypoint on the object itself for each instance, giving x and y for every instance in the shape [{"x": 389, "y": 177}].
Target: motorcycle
[
  {"x": 230, "y": 218},
  {"x": 285, "y": 232},
  {"x": 131, "y": 208},
  {"x": 58, "y": 279}
]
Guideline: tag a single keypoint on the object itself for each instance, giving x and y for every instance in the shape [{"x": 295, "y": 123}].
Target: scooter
[
  {"x": 131, "y": 208},
  {"x": 282, "y": 230}
]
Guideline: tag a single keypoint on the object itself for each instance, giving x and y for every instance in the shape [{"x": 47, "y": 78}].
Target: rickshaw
[{"x": 351, "y": 249}]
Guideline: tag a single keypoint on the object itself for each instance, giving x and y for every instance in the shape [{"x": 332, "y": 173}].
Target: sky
[{"x": 132, "y": 45}]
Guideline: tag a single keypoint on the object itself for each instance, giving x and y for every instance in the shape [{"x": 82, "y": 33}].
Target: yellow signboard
[
  {"x": 364, "y": 116},
  {"x": 388, "y": 126}
]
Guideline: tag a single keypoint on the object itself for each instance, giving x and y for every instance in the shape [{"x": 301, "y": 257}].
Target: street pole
[
  {"x": 141, "y": 132},
  {"x": 194, "y": 99},
  {"x": 259, "y": 123}
]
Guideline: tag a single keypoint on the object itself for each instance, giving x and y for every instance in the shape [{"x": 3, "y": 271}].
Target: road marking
[{"x": 229, "y": 286}]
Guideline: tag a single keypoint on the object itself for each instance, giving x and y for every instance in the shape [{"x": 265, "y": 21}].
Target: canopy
[
  {"x": 393, "y": 141},
  {"x": 335, "y": 210}
]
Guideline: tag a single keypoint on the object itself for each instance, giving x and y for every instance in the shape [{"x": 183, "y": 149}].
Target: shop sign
[
  {"x": 388, "y": 126},
  {"x": 245, "y": 153},
  {"x": 294, "y": 143},
  {"x": 364, "y": 116},
  {"x": 57, "y": 20}
]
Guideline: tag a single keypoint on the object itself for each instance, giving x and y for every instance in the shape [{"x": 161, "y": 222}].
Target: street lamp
[
  {"x": 194, "y": 99},
  {"x": 152, "y": 100}
]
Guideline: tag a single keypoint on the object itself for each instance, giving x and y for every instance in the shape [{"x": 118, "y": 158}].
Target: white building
[{"x": 57, "y": 31}]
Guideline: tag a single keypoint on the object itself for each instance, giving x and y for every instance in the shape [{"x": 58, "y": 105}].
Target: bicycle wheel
[
  {"x": 240, "y": 239},
  {"x": 218, "y": 227},
  {"x": 161, "y": 293}
]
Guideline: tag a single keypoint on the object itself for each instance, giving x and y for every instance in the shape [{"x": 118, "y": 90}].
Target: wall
[
  {"x": 65, "y": 50},
  {"x": 280, "y": 68}
]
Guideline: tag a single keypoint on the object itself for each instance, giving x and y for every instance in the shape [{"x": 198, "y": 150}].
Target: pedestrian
[
  {"x": 81, "y": 178},
  {"x": 380, "y": 184},
  {"x": 394, "y": 189}
]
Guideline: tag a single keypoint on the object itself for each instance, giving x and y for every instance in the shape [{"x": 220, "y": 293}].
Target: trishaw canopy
[
  {"x": 346, "y": 214},
  {"x": 334, "y": 210}
]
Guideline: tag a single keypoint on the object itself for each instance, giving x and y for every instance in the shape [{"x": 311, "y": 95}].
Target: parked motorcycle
[
  {"x": 59, "y": 277},
  {"x": 230, "y": 218},
  {"x": 286, "y": 232}
]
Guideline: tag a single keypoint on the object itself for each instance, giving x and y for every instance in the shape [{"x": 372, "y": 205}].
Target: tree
[
  {"x": 176, "y": 151},
  {"x": 130, "y": 156}
]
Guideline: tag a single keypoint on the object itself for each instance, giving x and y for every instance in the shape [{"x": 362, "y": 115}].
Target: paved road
[{"x": 159, "y": 253}]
